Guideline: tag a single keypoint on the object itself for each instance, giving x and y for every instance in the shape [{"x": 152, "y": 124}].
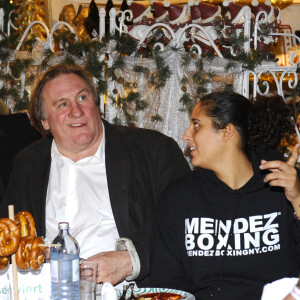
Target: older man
[{"x": 105, "y": 180}]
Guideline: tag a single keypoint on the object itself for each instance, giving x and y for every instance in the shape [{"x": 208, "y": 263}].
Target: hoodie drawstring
[
  {"x": 230, "y": 233},
  {"x": 219, "y": 288},
  {"x": 215, "y": 243}
]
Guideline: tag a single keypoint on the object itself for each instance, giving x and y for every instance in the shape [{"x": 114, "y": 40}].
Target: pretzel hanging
[
  {"x": 9, "y": 237},
  {"x": 19, "y": 237},
  {"x": 26, "y": 224},
  {"x": 37, "y": 253},
  {"x": 23, "y": 253},
  {"x": 4, "y": 261}
]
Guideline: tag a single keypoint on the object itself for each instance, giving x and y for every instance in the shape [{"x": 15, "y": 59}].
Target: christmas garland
[{"x": 92, "y": 54}]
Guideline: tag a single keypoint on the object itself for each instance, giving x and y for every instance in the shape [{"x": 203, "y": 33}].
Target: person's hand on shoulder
[{"x": 113, "y": 266}]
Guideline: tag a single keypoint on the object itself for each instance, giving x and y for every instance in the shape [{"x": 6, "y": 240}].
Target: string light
[{"x": 11, "y": 1}]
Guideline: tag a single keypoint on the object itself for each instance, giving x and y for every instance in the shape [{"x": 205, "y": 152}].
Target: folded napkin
[
  {"x": 278, "y": 289},
  {"x": 109, "y": 292}
]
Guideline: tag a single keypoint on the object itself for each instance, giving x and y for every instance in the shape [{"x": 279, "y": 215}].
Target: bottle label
[
  {"x": 57, "y": 270},
  {"x": 75, "y": 268},
  {"x": 54, "y": 270}
]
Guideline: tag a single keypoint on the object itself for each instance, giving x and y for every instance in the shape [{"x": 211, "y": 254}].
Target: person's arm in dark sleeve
[
  {"x": 295, "y": 235},
  {"x": 170, "y": 164},
  {"x": 13, "y": 190},
  {"x": 166, "y": 266}
]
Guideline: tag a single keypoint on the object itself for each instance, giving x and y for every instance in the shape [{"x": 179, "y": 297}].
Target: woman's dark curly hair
[
  {"x": 261, "y": 122},
  {"x": 270, "y": 119}
]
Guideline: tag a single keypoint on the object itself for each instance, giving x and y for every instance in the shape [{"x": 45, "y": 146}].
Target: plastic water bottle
[{"x": 64, "y": 265}]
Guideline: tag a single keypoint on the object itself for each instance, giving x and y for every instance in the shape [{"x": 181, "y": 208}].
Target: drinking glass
[{"x": 88, "y": 275}]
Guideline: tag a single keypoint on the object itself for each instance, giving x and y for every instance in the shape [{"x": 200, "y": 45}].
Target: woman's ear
[{"x": 228, "y": 132}]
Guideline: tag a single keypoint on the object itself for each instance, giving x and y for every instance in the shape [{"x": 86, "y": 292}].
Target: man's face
[{"x": 71, "y": 115}]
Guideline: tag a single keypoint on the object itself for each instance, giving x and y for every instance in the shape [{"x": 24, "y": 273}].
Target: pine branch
[{"x": 156, "y": 118}]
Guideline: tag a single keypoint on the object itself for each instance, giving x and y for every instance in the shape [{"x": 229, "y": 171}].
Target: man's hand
[
  {"x": 113, "y": 266},
  {"x": 284, "y": 175}
]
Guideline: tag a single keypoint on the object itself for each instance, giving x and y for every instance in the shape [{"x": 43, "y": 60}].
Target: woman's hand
[{"x": 284, "y": 174}]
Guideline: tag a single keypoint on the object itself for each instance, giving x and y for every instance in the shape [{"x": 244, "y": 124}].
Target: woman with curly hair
[{"x": 228, "y": 227}]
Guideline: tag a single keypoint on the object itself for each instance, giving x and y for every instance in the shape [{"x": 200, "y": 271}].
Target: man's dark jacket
[
  {"x": 15, "y": 134},
  {"x": 140, "y": 163}
]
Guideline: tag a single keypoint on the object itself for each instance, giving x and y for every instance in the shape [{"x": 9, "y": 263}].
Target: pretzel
[
  {"x": 4, "y": 262},
  {"x": 26, "y": 224},
  {"x": 37, "y": 253},
  {"x": 23, "y": 253},
  {"x": 9, "y": 237},
  {"x": 20, "y": 236}
]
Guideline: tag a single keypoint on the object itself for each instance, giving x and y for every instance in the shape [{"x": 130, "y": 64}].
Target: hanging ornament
[
  {"x": 184, "y": 89},
  {"x": 121, "y": 80},
  {"x": 115, "y": 91},
  {"x": 193, "y": 55}
]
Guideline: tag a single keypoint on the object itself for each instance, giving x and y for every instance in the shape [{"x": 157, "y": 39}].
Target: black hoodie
[{"x": 194, "y": 222}]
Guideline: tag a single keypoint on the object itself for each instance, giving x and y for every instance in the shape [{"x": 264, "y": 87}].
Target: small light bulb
[{"x": 11, "y": 1}]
